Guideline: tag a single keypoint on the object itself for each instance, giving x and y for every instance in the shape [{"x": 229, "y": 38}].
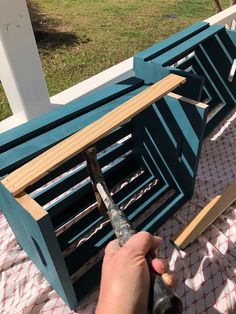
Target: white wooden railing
[
  {"x": 21, "y": 72},
  {"x": 226, "y": 17}
]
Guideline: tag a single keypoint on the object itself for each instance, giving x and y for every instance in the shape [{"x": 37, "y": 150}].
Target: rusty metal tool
[{"x": 162, "y": 298}]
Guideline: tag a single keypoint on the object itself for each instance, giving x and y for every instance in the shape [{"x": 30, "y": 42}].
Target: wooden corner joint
[{"x": 31, "y": 206}]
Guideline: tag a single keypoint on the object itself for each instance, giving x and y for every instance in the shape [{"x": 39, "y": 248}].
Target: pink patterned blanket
[{"x": 206, "y": 269}]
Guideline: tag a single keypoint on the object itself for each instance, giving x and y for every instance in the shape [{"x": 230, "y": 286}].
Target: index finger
[
  {"x": 143, "y": 242},
  {"x": 112, "y": 247}
]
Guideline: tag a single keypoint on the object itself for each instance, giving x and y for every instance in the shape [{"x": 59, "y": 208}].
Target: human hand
[{"x": 125, "y": 281}]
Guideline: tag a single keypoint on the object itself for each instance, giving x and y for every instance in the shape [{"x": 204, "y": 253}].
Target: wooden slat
[
  {"x": 112, "y": 138},
  {"x": 64, "y": 184},
  {"x": 176, "y": 53},
  {"x": 18, "y": 180},
  {"x": 171, "y": 42},
  {"x": 63, "y": 114},
  {"x": 206, "y": 217},
  {"x": 21, "y": 154},
  {"x": 188, "y": 100},
  {"x": 33, "y": 208}
]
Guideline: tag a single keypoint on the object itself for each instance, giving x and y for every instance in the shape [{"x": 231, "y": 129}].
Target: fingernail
[
  {"x": 159, "y": 265},
  {"x": 168, "y": 279}
]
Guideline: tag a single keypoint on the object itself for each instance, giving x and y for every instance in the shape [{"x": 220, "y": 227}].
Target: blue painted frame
[
  {"x": 164, "y": 142},
  {"x": 206, "y": 71}
]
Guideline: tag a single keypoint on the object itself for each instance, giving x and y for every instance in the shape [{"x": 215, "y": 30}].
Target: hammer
[{"x": 162, "y": 299}]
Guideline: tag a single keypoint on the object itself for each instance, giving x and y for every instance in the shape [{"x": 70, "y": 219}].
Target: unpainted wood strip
[
  {"x": 34, "y": 209},
  {"x": 32, "y": 171},
  {"x": 206, "y": 217},
  {"x": 188, "y": 100}
]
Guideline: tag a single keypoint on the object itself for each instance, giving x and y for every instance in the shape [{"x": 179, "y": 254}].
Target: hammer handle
[
  {"x": 162, "y": 299},
  {"x": 120, "y": 224}
]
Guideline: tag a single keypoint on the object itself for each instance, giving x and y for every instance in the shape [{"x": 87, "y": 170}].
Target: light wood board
[
  {"x": 188, "y": 100},
  {"x": 37, "y": 168},
  {"x": 206, "y": 217},
  {"x": 33, "y": 208}
]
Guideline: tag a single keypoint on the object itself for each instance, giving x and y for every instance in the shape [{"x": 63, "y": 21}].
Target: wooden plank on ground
[
  {"x": 206, "y": 217},
  {"x": 32, "y": 171}
]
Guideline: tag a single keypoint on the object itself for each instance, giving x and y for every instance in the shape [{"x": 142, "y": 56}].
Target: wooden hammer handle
[{"x": 162, "y": 299}]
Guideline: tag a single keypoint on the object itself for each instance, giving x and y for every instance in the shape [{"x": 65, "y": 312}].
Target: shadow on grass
[
  {"x": 54, "y": 39},
  {"x": 48, "y": 31}
]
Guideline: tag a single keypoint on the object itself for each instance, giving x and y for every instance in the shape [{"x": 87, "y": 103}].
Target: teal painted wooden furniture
[
  {"x": 203, "y": 54},
  {"x": 152, "y": 158},
  {"x": 232, "y": 35}
]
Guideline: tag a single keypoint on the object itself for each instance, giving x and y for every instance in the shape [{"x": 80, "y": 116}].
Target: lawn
[{"x": 79, "y": 38}]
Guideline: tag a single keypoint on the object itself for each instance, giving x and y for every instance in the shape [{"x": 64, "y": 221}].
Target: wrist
[{"x": 119, "y": 304}]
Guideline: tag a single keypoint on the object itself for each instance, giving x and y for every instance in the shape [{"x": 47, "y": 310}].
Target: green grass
[{"x": 83, "y": 37}]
